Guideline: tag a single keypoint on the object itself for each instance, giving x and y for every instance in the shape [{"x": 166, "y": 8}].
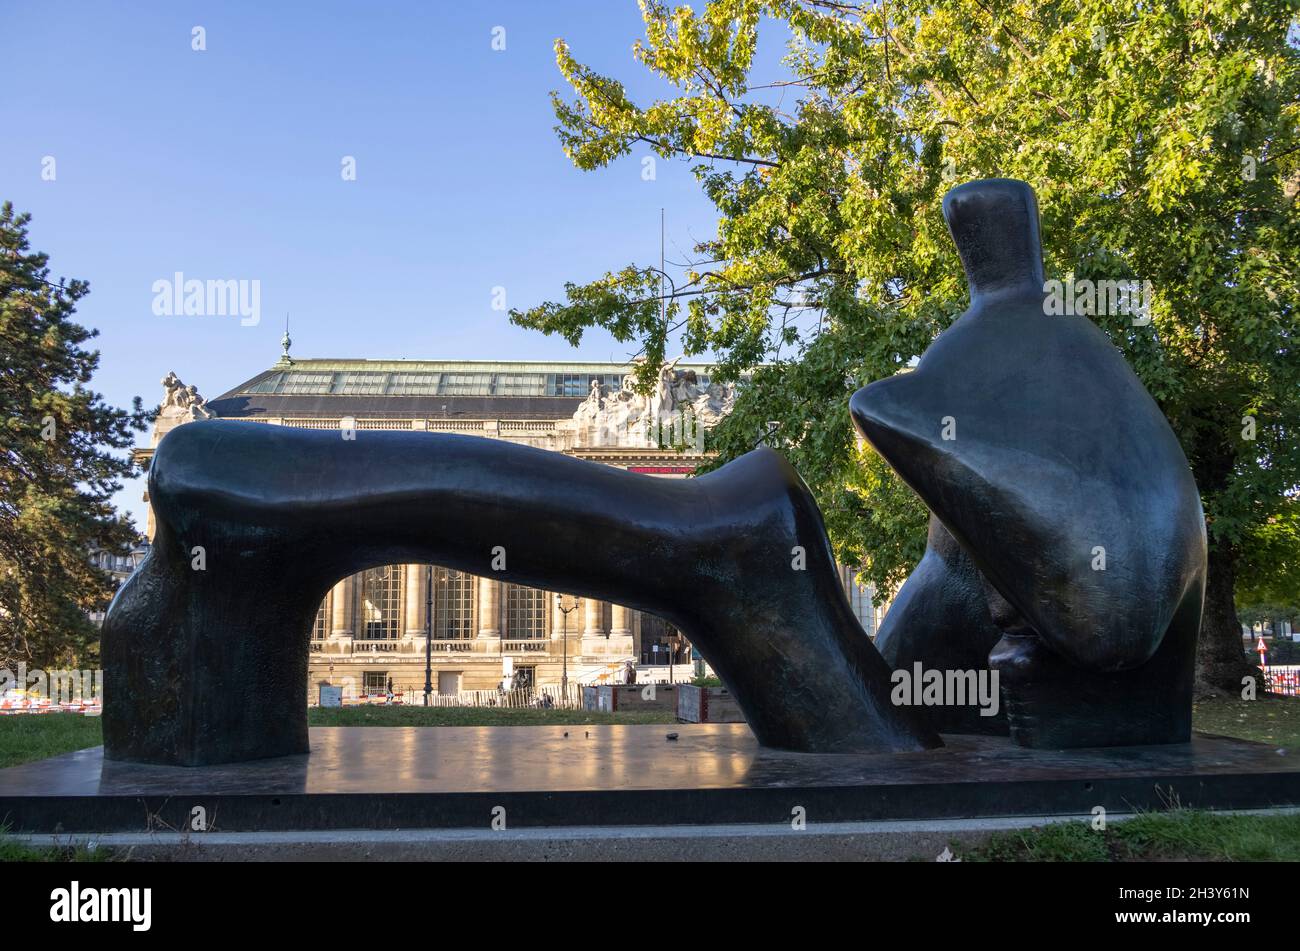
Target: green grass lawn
[
  {"x": 1272, "y": 720},
  {"x": 25, "y": 737},
  {"x": 1183, "y": 835},
  {"x": 13, "y": 851}
]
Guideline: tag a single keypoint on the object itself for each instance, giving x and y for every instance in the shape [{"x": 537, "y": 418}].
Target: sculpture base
[
  {"x": 455, "y": 777},
  {"x": 1053, "y": 705}
]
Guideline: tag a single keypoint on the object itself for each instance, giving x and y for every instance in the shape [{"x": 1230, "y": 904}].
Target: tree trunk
[{"x": 1221, "y": 663}]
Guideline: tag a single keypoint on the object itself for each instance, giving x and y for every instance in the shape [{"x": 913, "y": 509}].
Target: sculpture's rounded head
[{"x": 994, "y": 223}]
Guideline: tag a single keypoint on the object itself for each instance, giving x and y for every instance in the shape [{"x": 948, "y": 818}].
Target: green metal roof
[
  {"x": 487, "y": 366},
  {"x": 525, "y": 378}
]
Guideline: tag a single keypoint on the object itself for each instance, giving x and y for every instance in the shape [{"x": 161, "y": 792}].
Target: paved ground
[{"x": 847, "y": 841}]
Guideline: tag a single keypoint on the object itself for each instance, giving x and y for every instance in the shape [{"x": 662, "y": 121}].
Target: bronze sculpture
[
  {"x": 1034, "y": 444},
  {"x": 1057, "y": 453},
  {"x": 940, "y": 619},
  {"x": 209, "y": 666}
]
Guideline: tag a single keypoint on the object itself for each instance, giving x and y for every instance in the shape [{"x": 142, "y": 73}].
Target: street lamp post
[
  {"x": 428, "y": 636},
  {"x": 566, "y": 603}
]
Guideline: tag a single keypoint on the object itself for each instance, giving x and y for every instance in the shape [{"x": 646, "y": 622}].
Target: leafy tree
[
  {"x": 56, "y": 475},
  {"x": 1268, "y": 588},
  {"x": 1161, "y": 139}
]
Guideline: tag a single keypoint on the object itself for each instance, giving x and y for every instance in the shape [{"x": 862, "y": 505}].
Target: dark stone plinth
[{"x": 453, "y": 777}]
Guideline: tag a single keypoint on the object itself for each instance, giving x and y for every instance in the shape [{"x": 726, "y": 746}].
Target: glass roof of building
[{"x": 458, "y": 378}]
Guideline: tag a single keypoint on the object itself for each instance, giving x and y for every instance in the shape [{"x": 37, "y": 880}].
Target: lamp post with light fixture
[
  {"x": 428, "y": 636},
  {"x": 566, "y": 603}
]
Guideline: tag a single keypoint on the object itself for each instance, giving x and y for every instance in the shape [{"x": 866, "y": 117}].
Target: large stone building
[
  {"x": 119, "y": 565},
  {"x": 372, "y": 626}
]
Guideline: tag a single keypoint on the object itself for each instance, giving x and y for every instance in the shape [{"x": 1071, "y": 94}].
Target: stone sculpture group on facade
[
  {"x": 678, "y": 409},
  {"x": 181, "y": 400}
]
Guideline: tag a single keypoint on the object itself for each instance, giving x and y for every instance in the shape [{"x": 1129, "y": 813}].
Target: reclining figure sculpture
[{"x": 1059, "y": 455}]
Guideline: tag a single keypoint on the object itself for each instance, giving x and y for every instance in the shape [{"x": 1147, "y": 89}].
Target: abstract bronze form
[
  {"x": 940, "y": 619},
  {"x": 210, "y": 666},
  {"x": 1036, "y": 447},
  {"x": 1066, "y": 549}
]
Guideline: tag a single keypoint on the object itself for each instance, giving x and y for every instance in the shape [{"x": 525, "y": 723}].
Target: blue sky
[{"x": 226, "y": 164}]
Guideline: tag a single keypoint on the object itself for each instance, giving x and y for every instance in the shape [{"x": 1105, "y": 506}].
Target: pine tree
[{"x": 57, "y": 471}]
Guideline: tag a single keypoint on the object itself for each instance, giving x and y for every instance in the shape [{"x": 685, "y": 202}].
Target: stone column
[
  {"x": 595, "y": 614},
  {"x": 489, "y": 613},
  {"x": 593, "y": 629},
  {"x": 413, "y": 608},
  {"x": 341, "y": 609},
  {"x": 343, "y": 615},
  {"x": 620, "y": 631}
]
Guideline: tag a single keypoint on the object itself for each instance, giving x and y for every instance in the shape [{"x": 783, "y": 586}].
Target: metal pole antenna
[{"x": 663, "y": 301}]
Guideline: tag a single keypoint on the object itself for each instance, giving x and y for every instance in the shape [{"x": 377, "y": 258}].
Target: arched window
[
  {"x": 381, "y": 598},
  {"x": 453, "y": 604},
  {"x": 525, "y": 612},
  {"x": 320, "y": 627}
]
